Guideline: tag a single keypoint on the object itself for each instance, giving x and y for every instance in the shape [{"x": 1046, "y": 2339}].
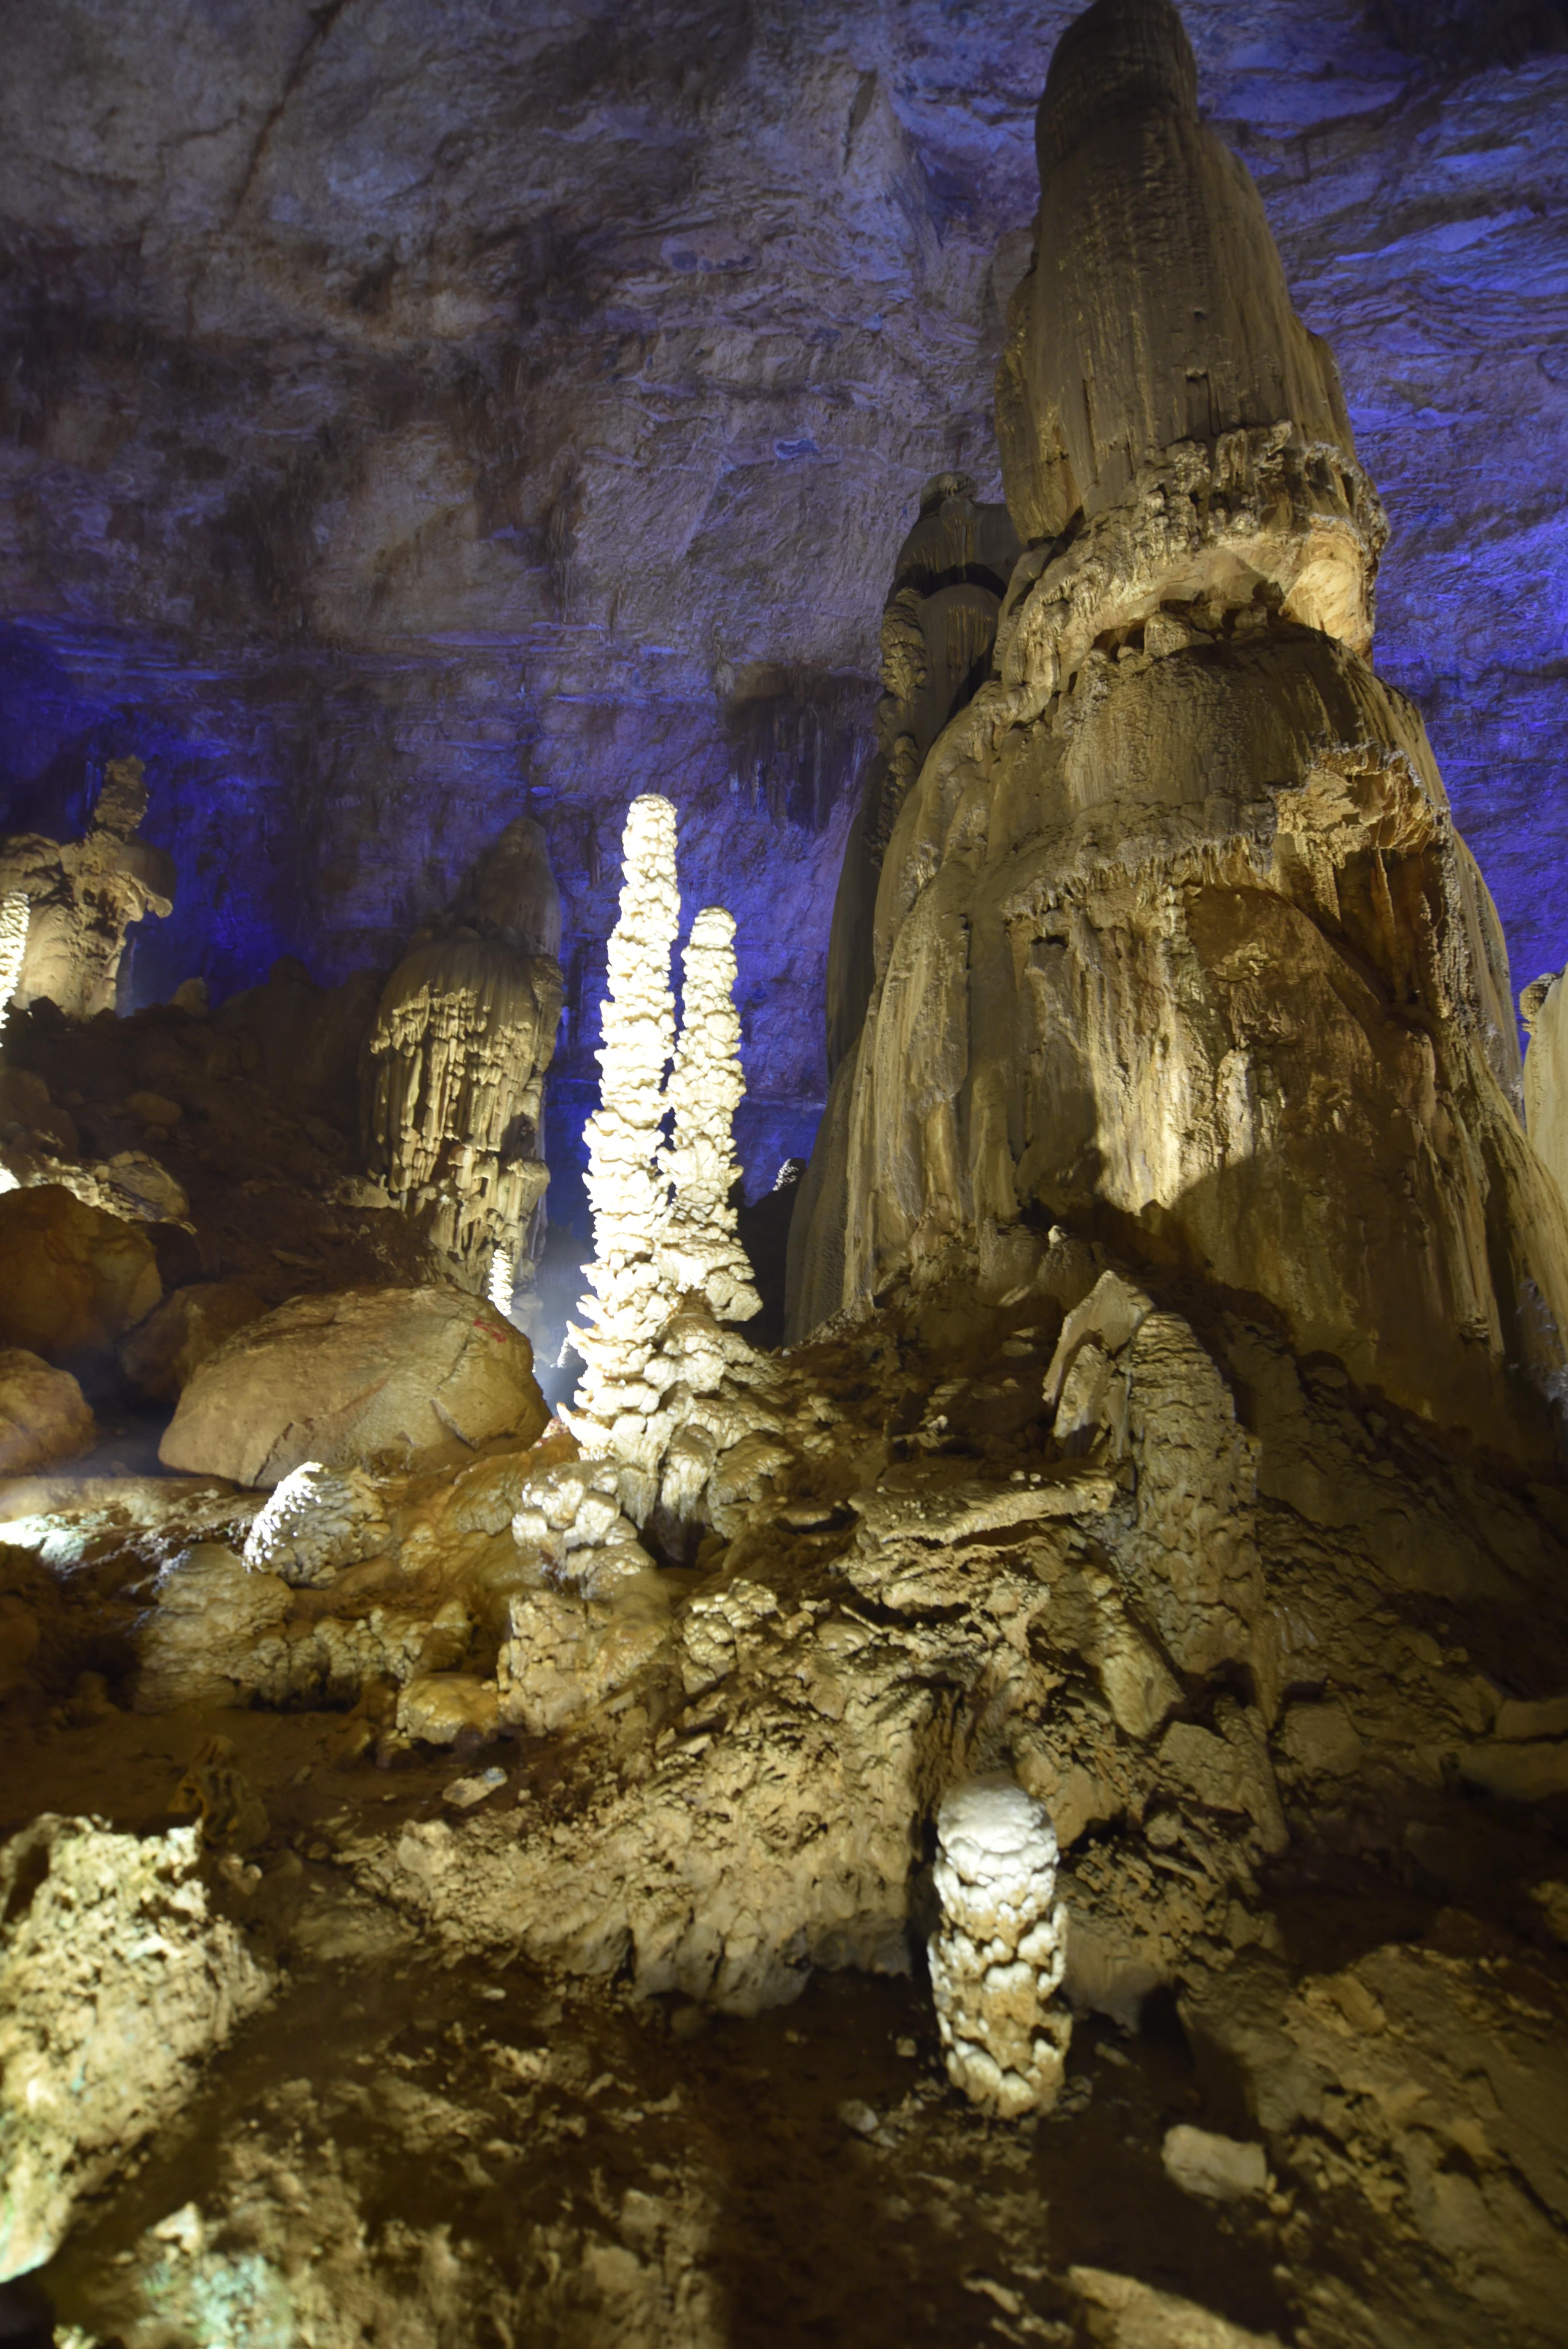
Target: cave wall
[{"x": 415, "y": 416}]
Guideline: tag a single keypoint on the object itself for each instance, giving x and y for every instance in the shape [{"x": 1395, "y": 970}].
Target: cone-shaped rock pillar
[{"x": 1173, "y": 937}]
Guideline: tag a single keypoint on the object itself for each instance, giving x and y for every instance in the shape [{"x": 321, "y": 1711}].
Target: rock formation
[
  {"x": 83, "y": 897},
  {"x": 698, "y": 1242},
  {"x": 43, "y": 1413},
  {"x": 453, "y": 1077},
  {"x": 117, "y": 1981},
  {"x": 581, "y": 1799},
  {"x": 998, "y": 1962},
  {"x": 630, "y": 1305},
  {"x": 667, "y": 1259},
  {"x": 391, "y": 1378},
  {"x": 14, "y": 917},
  {"x": 1173, "y": 933},
  {"x": 1544, "y": 1005}
]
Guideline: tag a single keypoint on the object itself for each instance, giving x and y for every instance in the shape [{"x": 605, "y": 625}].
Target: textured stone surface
[
  {"x": 409, "y": 419},
  {"x": 42, "y": 1415},
  {"x": 161, "y": 1355},
  {"x": 1145, "y": 943},
  {"x": 398, "y": 1378},
  {"x": 83, "y": 897},
  {"x": 116, "y": 1983},
  {"x": 76, "y": 1279},
  {"x": 998, "y": 1958},
  {"x": 452, "y": 1074}
]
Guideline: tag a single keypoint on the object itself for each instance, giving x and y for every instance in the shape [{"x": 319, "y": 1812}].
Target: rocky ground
[{"x": 619, "y": 2029}]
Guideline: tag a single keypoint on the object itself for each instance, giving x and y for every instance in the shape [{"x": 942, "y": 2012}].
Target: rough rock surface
[
  {"x": 313, "y": 1524},
  {"x": 43, "y": 1413},
  {"x": 453, "y": 1104},
  {"x": 161, "y": 1355},
  {"x": 389, "y": 1377},
  {"x": 998, "y": 1958},
  {"x": 117, "y": 1983},
  {"x": 76, "y": 1278},
  {"x": 83, "y": 898},
  {"x": 1174, "y": 930}
]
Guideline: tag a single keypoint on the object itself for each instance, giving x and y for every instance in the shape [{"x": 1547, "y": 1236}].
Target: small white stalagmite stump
[{"x": 997, "y": 1958}]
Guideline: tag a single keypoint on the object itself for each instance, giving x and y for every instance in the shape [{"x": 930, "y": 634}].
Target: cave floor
[{"x": 401, "y": 2119}]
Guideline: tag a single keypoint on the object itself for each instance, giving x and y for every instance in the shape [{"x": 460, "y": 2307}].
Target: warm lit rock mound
[{"x": 392, "y": 1378}]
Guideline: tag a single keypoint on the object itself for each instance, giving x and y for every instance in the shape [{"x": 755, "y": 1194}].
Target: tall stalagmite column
[
  {"x": 627, "y": 1186},
  {"x": 1174, "y": 938},
  {"x": 699, "y": 1247}
]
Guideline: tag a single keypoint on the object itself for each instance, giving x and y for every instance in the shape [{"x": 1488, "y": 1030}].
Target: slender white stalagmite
[
  {"x": 13, "y": 913},
  {"x": 498, "y": 1285},
  {"x": 699, "y": 1247},
  {"x": 626, "y": 1187}
]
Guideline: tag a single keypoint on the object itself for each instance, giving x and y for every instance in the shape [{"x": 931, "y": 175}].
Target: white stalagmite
[
  {"x": 498, "y": 1285},
  {"x": 15, "y": 910},
  {"x": 699, "y": 1247},
  {"x": 627, "y": 1186},
  {"x": 998, "y": 1956}
]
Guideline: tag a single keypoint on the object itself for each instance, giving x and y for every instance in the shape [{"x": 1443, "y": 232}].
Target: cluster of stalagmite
[
  {"x": 668, "y": 1264},
  {"x": 80, "y": 897},
  {"x": 998, "y": 1958},
  {"x": 453, "y": 1073},
  {"x": 1173, "y": 935}
]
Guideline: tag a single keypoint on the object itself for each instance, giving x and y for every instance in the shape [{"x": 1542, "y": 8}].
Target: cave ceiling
[{"x": 414, "y": 415}]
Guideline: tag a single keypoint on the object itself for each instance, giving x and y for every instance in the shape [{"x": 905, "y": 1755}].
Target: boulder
[
  {"x": 42, "y": 1415},
  {"x": 72, "y": 1278},
  {"x": 403, "y": 1378},
  {"x": 160, "y": 1355}
]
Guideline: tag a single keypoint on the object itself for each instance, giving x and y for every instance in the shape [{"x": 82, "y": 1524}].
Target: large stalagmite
[
  {"x": 1173, "y": 935},
  {"x": 81, "y": 897},
  {"x": 453, "y": 1084},
  {"x": 699, "y": 1245}
]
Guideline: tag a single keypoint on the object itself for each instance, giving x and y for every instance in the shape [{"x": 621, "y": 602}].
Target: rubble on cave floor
[{"x": 531, "y": 2061}]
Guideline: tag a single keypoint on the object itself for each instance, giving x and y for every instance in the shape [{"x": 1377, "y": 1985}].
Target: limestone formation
[
  {"x": 162, "y": 1355},
  {"x": 13, "y": 916},
  {"x": 454, "y": 1095},
  {"x": 116, "y": 1982},
  {"x": 698, "y": 1243},
  {"x": 1173, "y": 935},
  {"x": 938, "y": 628},
  {"x": 625, "y": 1317},
  {"x": 998, "y": 1958},
  {"x": 42, "y": 1415},
  {"x": 83, "y": 897},
  {"x": 1544, "y": 1005},
  {"x": 370, "y": 1378},
  {"x": 313, "y": 1524},
  {"x": 76, "y": 1278},
  {"x": 665, "y": 1381}
]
